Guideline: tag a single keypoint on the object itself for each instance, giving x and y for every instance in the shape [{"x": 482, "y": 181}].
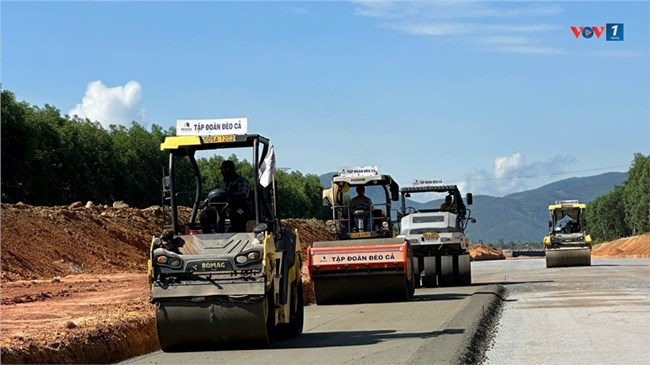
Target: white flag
[{"x": 267, "y": 168}]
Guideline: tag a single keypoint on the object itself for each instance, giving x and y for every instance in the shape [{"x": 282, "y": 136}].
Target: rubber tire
[
  {"x": 430, "y": 272},
  {"x": 446, "y": 274},
  {"x": 416, "y": 272},
  {"x": 429, "y": 282},
  {"x": 410, "y": 287},
  {"x": 464, "y": 277}
]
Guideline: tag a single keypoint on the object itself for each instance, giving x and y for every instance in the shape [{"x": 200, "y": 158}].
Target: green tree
[
  {"x": 637, "y": 195},
  {"x": 139, "y": 162},
  {"x": 606, "y": 216},
  {"x": 43, "y": 177},
  {"x": 50, "y": 159},
  {"x": 17, "y": 147}
]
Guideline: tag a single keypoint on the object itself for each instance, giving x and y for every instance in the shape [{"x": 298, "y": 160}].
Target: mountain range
[{"x": 522, "y": 216}]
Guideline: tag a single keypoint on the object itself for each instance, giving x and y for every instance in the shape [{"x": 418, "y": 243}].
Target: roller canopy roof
[
  {"x": 197, "y": 143},
  {"x": 424, "y": 189}
]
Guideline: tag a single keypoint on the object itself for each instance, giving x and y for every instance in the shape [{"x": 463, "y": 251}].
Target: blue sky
[{"x": 496, "y": 96}]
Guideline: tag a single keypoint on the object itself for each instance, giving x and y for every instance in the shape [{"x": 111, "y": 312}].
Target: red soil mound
[{"x": 632, "y": 247}]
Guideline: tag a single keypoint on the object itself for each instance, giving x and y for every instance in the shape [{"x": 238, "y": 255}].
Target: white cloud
[
  {"x": 513, "y": 173},
  {"x": 432, "y": 29},
  {"x": 614, "y": 53},
  {"x": 110, "y": 105},
  {"x": 377, "y": 9},
  {"x": 450, "y": 9},
  {"x": 507, "y": 165},
  {"x": 507, "y": 28},
  {"x": 505, "y": 40},
  {"x": 297, "y": 10},
  {"x": 528, "y": 50}
]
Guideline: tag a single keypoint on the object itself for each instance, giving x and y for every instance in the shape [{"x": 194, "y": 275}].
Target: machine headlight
[
  {"x": 248, "y": 258},
  {"x": 169, "y": 261},
  {"x": 174, "y": 262}
]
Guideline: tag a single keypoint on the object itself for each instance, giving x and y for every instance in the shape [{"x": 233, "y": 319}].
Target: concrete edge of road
[
  {"x": 485, "y": 309},
  {"x": 465, "y": 337}
]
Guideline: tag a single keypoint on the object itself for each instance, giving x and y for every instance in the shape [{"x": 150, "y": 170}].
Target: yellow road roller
[
  {"x": 239, "y": 284},
  {"x": 567, "y": 243}
]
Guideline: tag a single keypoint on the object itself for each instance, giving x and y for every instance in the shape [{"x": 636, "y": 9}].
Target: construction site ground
[{"x": 74, "y": 285}]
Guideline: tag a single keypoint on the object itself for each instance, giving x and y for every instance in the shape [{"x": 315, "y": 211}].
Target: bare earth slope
[
  {"x": 74, "y": 279},
  {"x": 74, "y": 285},
  {"x": 628, "y": 247}
]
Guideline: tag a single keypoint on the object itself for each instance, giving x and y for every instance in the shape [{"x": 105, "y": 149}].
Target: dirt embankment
[
  {"x": 630, "y": 247},
  {"x": 480, "y": 252},
  {"x": 74, "y": 278}
]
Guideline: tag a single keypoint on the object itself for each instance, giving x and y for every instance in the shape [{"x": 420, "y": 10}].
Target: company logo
[
  {"x": 613, "y": 31},
  {"x": 587, "y": 32}
]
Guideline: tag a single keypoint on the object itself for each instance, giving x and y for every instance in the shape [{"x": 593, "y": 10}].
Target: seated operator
[
  {"x": 448, "y": 206},
  {"x": 236, "y": 189},
  {"x": 361, "y": 202}
]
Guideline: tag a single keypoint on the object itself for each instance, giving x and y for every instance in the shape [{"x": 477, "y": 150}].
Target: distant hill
[
  {"x": 523, "y": 216},
  {"x": 326, "y": 179}
]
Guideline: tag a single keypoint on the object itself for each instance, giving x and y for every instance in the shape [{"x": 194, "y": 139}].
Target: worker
[
  {"x": 448, "y": 205},
  {"x": 361, "y": 204},
  {"x": 235, "y": 191}
]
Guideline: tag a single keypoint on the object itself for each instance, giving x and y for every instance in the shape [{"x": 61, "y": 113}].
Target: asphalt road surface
[
  {"x": 434, "y": 328},
  {"x": 582, "y": 315},
  {"x": 597, "y": 314}
]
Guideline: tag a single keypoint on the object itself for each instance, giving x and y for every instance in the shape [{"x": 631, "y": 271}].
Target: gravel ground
[{"x": 580, "y": 315}]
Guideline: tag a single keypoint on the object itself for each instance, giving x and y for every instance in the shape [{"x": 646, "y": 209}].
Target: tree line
[
  {"x": 52, "y": 159},
  {"x": 625, "y": 210}
]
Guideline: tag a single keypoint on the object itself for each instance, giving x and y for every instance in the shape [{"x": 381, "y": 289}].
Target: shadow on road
[
  {"x": 438, "y": 297},
  {"x": 355, "y": 338}
]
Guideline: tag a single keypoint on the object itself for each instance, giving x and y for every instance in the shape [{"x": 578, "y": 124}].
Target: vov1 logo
[{"x": 613, "y": 31}]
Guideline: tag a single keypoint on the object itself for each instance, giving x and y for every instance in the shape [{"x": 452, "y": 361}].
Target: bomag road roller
[
  {"x": 363, "y": 262},
  {"x": 440, "y": 246},
  {"x": 567, "y": 243},
  {"x": 232, "y": 287}
]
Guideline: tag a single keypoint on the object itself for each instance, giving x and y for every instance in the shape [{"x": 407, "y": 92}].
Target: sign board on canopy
[
  {"x": 426, "y": 182},
  {"x": 211, "y": 127},
  {"x": 359, "y": 171},
  {"x": 564, "y": 202}
]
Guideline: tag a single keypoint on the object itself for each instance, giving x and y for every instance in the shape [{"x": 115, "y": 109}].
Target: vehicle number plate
[
  {"x": 430, "y": 236},
  {"x": 360, "y": 234},
  {"x": 218, "y": 139}
]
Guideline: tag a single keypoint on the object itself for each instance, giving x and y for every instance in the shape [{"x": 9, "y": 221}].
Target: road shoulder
[{"x": 467, "y": 333}]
